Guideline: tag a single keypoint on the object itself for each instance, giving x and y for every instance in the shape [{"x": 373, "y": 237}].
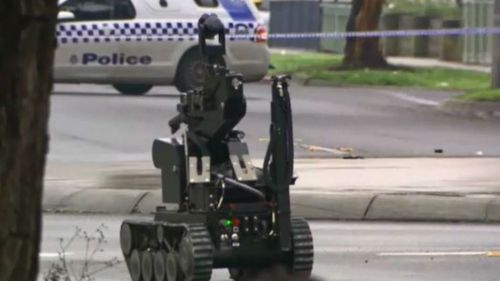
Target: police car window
[
  {"x": 89, "y": 10},
  {"x": 207, "y": 3}
]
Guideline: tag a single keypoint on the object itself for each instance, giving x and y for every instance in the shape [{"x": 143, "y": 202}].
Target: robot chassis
[{"x": 230, "y": 214}]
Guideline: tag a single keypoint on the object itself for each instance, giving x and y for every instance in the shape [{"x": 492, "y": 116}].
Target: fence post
[{"x": 495, "y": 73}]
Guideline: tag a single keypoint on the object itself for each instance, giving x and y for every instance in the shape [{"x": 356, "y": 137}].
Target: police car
[{"x": 136, "y": 44}]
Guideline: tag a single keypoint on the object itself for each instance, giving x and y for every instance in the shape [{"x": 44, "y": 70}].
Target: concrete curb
[
  {"x": 429, "y": 207},
  {"x": 483, "y": 110},
  {"x": 319, "y": 206}
]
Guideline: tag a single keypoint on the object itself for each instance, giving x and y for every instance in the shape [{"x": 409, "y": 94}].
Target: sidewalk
[
  {"x": 431, "y": 62},
  {"x": 482, "y": 110},
  {"x": 374, "y": 189}
]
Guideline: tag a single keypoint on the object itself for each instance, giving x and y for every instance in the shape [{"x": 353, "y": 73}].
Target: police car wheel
[
  {"x": 133, "y": 89},
  {"x": 190, "y": 72}
]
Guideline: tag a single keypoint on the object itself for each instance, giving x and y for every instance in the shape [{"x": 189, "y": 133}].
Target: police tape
[
  {"x": 99, "y": 38},
  {"x": 388, "y": 33}
]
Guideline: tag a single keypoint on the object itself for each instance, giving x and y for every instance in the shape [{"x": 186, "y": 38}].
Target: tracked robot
[{"x": 230, "y": 213}]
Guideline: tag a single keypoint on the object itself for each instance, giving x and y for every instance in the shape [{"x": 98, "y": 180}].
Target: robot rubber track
[
  {"x": 220, "y": 211},
  {"x": 162, "y": 251}
]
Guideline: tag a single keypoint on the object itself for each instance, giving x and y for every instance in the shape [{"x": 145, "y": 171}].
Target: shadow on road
[
  {"x": 276, "y": 273},
  {"x": 115, "y": 95}
]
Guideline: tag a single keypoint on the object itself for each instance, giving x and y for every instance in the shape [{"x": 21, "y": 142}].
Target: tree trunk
[
  {"x": 27, "y": 44},
  {"x": 364, "y": 52}
]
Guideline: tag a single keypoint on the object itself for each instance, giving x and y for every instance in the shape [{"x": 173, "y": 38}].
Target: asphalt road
[
  {"x": 345, "y": 251},
  {"x": 94, "y": 123}
]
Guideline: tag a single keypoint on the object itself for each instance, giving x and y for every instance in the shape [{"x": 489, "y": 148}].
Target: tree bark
[
  {"x": 364, "y": 52},
  {"x": 27, "y": 44}
]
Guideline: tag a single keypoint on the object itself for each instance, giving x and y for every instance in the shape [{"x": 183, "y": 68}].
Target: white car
[{"x": 136, "y": 44}]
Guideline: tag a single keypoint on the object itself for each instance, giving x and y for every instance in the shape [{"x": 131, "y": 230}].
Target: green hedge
[{"x": 424, "y": 8}]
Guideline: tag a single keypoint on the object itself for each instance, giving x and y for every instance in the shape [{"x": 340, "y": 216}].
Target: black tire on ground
[
  {"x": 133, "y": 89},
  {"x": 303, "y": 249},
  {"x": 171, "y": 267},
  {"x": 126, "y": 239},
  {"x": 135, "y": 265},
  {"x": 147, "y": 266},
  {"x": 195, "y": 254},
  {"x": 160, "y": 265},
  {"x": 191, "y": 71}
]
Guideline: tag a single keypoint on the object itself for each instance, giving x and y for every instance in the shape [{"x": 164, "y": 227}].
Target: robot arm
[
  {"x": 278, "y": 162},
  {"x": 209, "y": 26}
]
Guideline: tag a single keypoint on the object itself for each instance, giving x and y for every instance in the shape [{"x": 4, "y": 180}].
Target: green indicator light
[{"x": 228, "y": 223}]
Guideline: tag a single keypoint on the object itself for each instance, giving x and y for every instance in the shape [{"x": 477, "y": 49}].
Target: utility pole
[{"x": 495, "y": 69}]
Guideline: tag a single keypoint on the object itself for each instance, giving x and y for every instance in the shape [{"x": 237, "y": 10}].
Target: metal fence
[
  {"x": 334, "y": 19},
  {"x": 295, "y": 17},
  {"x": 307, "y": 16},
  {"x": 477, "y": 48}
]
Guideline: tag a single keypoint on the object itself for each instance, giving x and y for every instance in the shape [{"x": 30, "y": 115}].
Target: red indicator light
[
  {"x": 261, "y": 34},
  {"x": 236, "y": 222}
]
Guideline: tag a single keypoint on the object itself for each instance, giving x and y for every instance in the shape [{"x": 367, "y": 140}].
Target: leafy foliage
[{"x": 432, "y": 8}]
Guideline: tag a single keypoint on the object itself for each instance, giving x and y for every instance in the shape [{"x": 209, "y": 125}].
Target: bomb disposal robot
[{"x": 230, "y": 213}]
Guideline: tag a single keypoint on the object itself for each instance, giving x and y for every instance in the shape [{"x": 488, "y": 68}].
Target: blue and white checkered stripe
[{"x": 68, "y": 33}]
